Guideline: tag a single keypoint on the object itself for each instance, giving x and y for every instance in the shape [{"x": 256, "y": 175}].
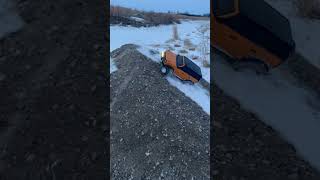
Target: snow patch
[
  {"x": 113, "y": 66},
  {"x": 195, "y": 92},
  {"x": 278, "y": 103}
]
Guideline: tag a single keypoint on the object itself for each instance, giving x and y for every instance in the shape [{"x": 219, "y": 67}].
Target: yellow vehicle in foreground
[
  {"x": 251, "y": 30},
  {"x": 181, "y": 66}
]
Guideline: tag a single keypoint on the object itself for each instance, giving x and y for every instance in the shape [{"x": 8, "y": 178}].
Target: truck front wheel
[{"x": 164, "y": 69}]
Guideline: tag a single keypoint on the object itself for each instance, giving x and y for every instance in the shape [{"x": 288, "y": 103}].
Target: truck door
[{"x": 224, "y": 38}]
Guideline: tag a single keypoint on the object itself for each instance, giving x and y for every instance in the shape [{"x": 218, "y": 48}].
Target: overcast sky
[{"x": 192, "y": 6}]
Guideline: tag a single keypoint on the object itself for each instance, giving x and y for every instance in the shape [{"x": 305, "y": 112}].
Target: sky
[{"x": 191, "y": 6}]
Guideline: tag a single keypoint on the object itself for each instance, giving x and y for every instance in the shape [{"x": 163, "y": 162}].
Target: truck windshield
[{"x": 223, "y": 7}]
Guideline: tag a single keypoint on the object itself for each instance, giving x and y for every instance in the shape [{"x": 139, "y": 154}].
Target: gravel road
[{"x": 156, "y": 131}]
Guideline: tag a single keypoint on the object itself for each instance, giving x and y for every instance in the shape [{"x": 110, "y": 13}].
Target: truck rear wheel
[{"x": 258, "y": 66}]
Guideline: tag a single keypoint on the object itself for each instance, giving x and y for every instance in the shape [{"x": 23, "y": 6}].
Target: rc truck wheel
[{"x": 164, "y": 69}]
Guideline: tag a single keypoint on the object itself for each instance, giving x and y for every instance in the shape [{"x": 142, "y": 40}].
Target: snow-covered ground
[
  {"x": 113, "y": 66},
  {"x": 153, "y": 40},
  {"x": 9, "y": 19},
  {"x": 306, "y": 33},
  {"x": 276, "y": 100}
]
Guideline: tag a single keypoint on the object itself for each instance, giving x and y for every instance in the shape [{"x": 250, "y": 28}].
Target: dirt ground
[
  {"x": 156, "y": 131},
  {"x": 54, "y": 93}
]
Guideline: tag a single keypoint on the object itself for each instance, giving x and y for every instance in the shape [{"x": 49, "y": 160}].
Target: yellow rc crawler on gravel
[
  {"x": 182, "y": 67},
  {"x": 251, "y": 30}
]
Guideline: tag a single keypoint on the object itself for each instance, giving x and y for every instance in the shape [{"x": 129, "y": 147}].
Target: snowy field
[
  {"x": 306, "y": 33},
  {"x": 193, "y": 42}
]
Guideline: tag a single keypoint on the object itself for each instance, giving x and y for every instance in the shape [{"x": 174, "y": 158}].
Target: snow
[
  {"x": 276, "y": 100},
  {"x": 113, "y": 66},
  {"x": 197, "y": 93},
  {"x": 137, "y": 19},
  {"x": 305, "y": 32},
  {"x": 10, "y": 21},
  {"x": 156, "y": 38},
  {"x": 153, "y": 40}
]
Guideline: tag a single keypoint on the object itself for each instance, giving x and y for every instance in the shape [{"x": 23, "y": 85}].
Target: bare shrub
[
  {"x": 151, "y": 17},
  {"x": 205, "y": 63},
  {"x": 175, "y": 34},
  {"x": 169, "y": 41},
  {"x": 122, "y": 11},
  {"x": 187, "y": 43},
  {"x": 171, "y": 48},
  {"x": 204, "y": 46},
  {"x": 195, "y": 57},
  {"x": 161, "y": 18},
  {"x": 309, "y": 8},
  {"x": 183, "y": 51},
  {"x": 153, "y": 51}
]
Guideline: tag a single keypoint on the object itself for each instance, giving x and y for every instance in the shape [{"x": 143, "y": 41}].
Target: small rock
[
  {"x": 229, "y": 156},
  {"x": 28, "y": 67},
  {"x": 104, "y": 128},
  {"x": 93, "y": 88},
  {"x": 265, "y": 162},
  {"x": 84, "y": 138},
  {"x": 31, "y": 157},
  {"x": 94, "y": 156},
  {"x": 2, "y": 76},
  {"x": 97, "y": 46},
  {"x": 17, "y": 52},
  {"x": 215, "y": 172},
  {"x": 94, "y": 123},
  {"x": 3, "y": 58},
  {"x": 293, "y": 176},
  {"x": 55, "y": 106},
  {"x": 217, "y": 124}
]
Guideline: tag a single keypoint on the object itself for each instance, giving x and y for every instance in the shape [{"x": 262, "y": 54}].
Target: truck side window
[{"x": 223, "y": 7}]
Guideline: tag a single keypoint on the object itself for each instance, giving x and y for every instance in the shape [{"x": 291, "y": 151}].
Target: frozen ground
[
  {"x": 306, "y": 33},
  {"x": 113, "y": 66},
  {"x": 292, "y": 111},
  {"x": 153, "y": 40},
  {"x": 9, "y": 19}
]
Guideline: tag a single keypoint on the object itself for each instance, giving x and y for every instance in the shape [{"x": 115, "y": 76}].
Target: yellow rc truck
[
  {"x": 251, "y": 31},
  {"x": 182, "y": 67}
]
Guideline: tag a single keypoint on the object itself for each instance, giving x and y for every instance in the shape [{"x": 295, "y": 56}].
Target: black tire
[
  {"x": 255, "y": 65},
  {"x": 164, "y": 69}
]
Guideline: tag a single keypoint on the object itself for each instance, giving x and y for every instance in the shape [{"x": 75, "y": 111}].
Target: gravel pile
[{"x": 156, "y": 131}]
